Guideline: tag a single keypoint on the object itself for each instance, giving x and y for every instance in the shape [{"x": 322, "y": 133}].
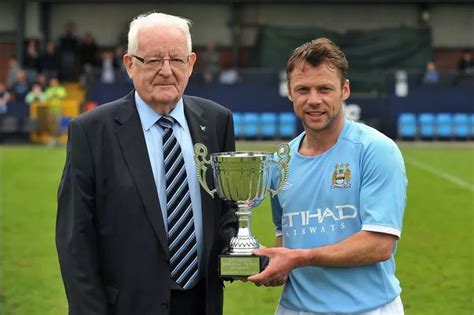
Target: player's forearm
[{"x": 362, "y": 248}]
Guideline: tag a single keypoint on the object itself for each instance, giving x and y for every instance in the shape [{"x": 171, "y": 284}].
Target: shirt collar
[{"x": 148, "y": 116}]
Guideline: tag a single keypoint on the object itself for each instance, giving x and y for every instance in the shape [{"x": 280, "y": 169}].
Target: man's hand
[{"x": 282, "y": 261}]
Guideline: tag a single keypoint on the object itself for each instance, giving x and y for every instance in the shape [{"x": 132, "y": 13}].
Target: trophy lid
[{"x": 241, "y": 156}]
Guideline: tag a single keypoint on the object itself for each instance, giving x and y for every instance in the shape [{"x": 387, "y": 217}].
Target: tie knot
[{"x": 166, "y": 122}]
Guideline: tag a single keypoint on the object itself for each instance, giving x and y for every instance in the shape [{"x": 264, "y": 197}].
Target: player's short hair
[{"x": 318, "y": 51}]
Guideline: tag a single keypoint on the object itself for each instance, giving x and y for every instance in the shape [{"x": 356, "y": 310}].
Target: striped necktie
[{"x": 181, "y": 233}]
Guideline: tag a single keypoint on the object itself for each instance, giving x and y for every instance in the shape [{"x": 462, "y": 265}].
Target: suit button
[{"x": 164, "y": 306}]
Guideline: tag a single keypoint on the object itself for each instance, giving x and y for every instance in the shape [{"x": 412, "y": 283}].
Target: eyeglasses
[{"x": 157, "y": 63}]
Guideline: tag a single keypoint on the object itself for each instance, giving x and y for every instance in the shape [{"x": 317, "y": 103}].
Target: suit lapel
[
  {"x": 199, "y": 129},
  {"x": 196, "y": 122},
  {"x": 133, "y": 145}
]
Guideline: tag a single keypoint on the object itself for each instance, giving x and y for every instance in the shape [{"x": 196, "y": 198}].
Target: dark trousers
[{"x": 189, "y": 302}]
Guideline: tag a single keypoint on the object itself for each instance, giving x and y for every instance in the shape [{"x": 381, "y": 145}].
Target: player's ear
[{"x": 346, "y": 90}]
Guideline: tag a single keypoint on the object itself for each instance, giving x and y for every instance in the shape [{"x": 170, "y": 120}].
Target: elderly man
[{"x": 135, "y": 234}]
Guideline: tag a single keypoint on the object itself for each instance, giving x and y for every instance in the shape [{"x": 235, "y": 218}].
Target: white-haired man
[{"x": 131, "y": 214}]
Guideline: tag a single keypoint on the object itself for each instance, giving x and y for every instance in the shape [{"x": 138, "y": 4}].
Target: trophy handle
[
  {"x": 200, "y": 155},
  {"x": 283, "y": 160}
]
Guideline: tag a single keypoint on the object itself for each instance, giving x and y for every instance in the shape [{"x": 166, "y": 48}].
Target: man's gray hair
[{"x": 155, "y": 19}]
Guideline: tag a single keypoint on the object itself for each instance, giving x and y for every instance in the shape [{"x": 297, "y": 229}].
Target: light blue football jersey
[{"x": 358, "y": 184}]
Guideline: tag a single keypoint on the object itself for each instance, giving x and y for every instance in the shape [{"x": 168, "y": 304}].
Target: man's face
[
  {"x": 317, "y": 96},
  {"x": 160, "y": 84}
]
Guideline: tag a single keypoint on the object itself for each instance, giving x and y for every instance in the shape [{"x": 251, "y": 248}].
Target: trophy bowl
[{"x": 242, "y": 178}]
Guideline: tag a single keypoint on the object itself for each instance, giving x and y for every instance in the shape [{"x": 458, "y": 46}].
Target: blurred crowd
[
  {"x": 464, "y": 70},
  {"x": 71, "y": 59},
  {"x": 80, "y": 59}
]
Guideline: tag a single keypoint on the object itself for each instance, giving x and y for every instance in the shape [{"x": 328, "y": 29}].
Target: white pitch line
[{"x": 453, "y": 179}]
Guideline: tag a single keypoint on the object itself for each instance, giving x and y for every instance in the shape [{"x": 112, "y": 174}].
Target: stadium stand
[
  {"x": 250, "y": 125},
  {"x": 407, "y": 128},
  {"x": 426, "y": 123},
  {"x": 268, "y": 125},
  {"x": 237, "y": 124},
  {"x": 461, "y": 126},
  {"x": 471, "y": 119},
  {"x": 444, "y": 127},
  {"x": 287, "y": 125},
  {"x": 259, "y": 62}
]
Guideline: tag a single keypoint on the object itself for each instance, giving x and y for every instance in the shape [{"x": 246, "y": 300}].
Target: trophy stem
[{"x": 244, "y": 243}]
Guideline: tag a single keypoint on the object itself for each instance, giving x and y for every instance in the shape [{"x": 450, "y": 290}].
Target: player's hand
[{"x": 279, "y": 266}]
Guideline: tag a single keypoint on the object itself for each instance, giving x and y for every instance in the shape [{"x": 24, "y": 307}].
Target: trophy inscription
[{"x": 242, "y": 178}]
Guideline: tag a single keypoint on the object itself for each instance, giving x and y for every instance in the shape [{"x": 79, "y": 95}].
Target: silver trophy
[{"x": 242, "y": 178}]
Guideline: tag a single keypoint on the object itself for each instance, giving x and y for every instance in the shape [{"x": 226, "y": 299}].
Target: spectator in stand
[
  {"x": 54, "y": 94},
  {"x": 5, "y": 98},
  {"x": 229, "y": 76},
  {"x": 37, "y": 98},
  {"x": 68, "y": 46},
  {"x": 229, "y": 73},
  {"x": 466, "y": 64},
  {"x": 19, "y": 90},
  {"x": 12, "y": 72},
  {"x": 209, "y": 62},
  {"x": 431, "y": 74},
  {"x": 20, "y": 87},
  {"x": 88, "y": 53},
  {"x": 121, "y": 71},
  {"x": 35, "y": 95},
  {"x": 107, "y": 70},
  {"x": 50, "y": 61},
  {"x": 465, "y": 68},
  {"x": 42, "y": 80},
  {"x": 55, "y": 91},
  {"x": 31, "y": 60}
]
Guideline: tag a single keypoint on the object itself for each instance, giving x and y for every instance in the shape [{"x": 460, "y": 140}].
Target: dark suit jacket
[{"x": 110, "y": 235}]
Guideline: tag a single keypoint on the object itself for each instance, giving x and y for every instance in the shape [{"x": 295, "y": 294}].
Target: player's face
[
  {"x": 160, "y": 84},
  {"x": 317, "y": 96}
]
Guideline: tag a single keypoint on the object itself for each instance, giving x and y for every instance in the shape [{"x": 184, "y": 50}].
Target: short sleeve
[{"x": 383, "y": 188}]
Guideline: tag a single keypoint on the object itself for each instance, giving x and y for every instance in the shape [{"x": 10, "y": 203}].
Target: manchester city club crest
[{"x": 341, "y": 177}]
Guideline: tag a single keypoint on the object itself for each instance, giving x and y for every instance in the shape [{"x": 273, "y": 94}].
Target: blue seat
[
  {"x": 250, "y": 123},
  {"x": 471, "y": 123},
  {"x": 268, "y": 125},
  {"x": 461, "y": 125},
  {"x": 426, "y": 125},
  {"x": 407, "y": 126},
  {"x": 237, "y": 124},
  {"x": 287, "y": 125},
  {"x": 444, "y": 125}
]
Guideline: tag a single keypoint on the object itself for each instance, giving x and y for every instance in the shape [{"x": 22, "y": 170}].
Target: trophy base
[{"x": 240, "y": 266}]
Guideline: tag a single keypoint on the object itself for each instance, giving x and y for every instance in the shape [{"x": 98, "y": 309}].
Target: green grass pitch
[{"x": 434, "y": 258}]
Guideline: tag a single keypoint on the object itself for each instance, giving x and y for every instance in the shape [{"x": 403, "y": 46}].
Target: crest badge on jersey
[{"x": 341, "y": 177}]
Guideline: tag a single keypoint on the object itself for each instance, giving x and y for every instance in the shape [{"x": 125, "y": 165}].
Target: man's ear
[
  {"x": 127, "y": 61},
  {"x": 346, "y": 90},
  {"x": 192, "y": 59}
]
